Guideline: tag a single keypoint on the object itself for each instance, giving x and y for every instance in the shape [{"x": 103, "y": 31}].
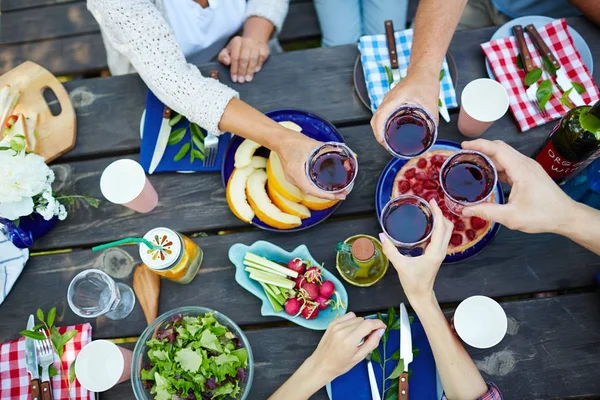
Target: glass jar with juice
[{"x": 178, "y": 257}]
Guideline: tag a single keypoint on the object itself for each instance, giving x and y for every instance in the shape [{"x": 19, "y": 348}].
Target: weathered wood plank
[
  {"x": 513, "y": 263},
  {"x": 301, "y": 22},
  {"x": 552, "y": 351}
]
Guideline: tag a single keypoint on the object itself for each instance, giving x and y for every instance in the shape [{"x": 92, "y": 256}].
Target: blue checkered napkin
[
  {"x": 374, "y": 55},
  {"x": 12, "y": 262}
]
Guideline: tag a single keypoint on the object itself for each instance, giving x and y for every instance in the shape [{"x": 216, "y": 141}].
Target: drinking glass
[
  {"x": 412, "y": 248},
  {"x": 488, "y": 169},
  {"x": 93, "y": 293},
  {"x": 397, "y": 141},
  {"x": 332, "y": 147}
]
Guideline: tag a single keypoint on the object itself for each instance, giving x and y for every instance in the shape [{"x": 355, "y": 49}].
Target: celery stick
[
  {"x": 276, "y": 306},
  {"x": 275, "y": 290},
  {"x": 252, "y": 269},
  {"x": 280, "y": 299},
  {"x": 263, "y": 268},
  {"x": 267, "y": 289},
  {"x": 271, "y": 279},
  {"x": 270, "y": 264}
]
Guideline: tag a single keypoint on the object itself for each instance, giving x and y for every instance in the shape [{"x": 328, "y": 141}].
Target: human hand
[
  {"x": 413, "y": 89},
  {"x": 417, "y": 274},
  {"x": 245, "y": 56},
  {"x": 339, "y": 350},
  {"x": 536, "y": 204}
]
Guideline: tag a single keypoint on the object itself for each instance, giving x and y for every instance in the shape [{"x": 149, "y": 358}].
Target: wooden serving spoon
[{"x": 146, "y": 285}]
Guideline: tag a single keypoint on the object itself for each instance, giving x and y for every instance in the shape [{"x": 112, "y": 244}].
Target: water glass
[{"x": 93, "y": 293}]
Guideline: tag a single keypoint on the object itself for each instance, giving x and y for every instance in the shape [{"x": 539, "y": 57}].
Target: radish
[
  {"x": 313, "y": 274},
  {"x": 323, "y": 302},
  {"x": 309, "y": 290},
  {"x": 292, "y": 306},
  {"x": 297, "y": 265},
  {"x": 299, "y": 281},
  {"x": 310, "y": 311},
  {"x": 327, "y": 288}
]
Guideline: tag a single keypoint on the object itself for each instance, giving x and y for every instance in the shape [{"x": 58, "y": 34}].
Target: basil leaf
[
  {"x": 198, "y": 143},
  {"x": 198, "y": 154},
  {"x": 519, "y": 62},
  {"x": 442, "y": 74},
  {"x": 192, "y": 157},
  {"x": 579, "y": 88},
  {"x": 416, "y": 351},
  {"x": 182, "y": 152},
  {"x": 51, "y": 316},
  {"x": 196, "y": 131},
  {"x": 37, "y": 327},
  {"x": 544, "y": 93},
  {"x": 32, "y": 335},
  {"x": 411, "y": 318},
  {"x": 391, "y": 317},
  {"x": 440, "y": 103},
  {"x": 549, "y": 67},
  {"x": 392, "y": 394},
  {"x": 176, "y": 136},
  {"x": 398, "y": 370},
  {"x": 375, "y": 356},
  {"x": 72, "y": 372},
  {"x": 52, "y": 371},
  {"x": 40, "y": 315},
  {"x": 533, "y": 76},
  {"x": 390, "y": 75},
  {"x": 396, "y": 355},
  {"x": 564, "y": 99},
  {"x": 173, "y": 121}
]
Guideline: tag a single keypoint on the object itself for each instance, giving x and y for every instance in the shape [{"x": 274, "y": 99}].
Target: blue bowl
[
  {"x": 385, "y": 185},
  {"x": 277, "y": 254},
  {"x": 314, "y": 127}
]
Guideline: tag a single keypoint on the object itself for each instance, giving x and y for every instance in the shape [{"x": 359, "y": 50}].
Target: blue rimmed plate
[
  {"x": 384, "y": 193},
  {"x": 278, "y": 255},
  {"x": 314, "y": 127}
]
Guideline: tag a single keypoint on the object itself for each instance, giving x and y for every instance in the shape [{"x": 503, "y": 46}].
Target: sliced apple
[
  {"x": 258, "y": 162},
  {"x": 286, "y": 205},
  {"x": 291, "y": 125},
  {"x": 236, "y": 194},
  {"x": 260, "y": 202},
  {"x": 315, "y": 203},
  {"x": 277, "y": 179},
  {"x": 244, "y": 153}
]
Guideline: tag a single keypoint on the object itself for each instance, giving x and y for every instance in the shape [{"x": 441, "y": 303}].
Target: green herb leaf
[
  {"x": 519, "y": 62},
  {"x": 182, "y": 152},
  {"x": 375, "y": 356},
  {"x": 175, "y": 120},
  {"x": 384, "y": 338},
  {"x": 590, "y": 123},
  {"x": 198, "y": 154},
  {"x": 198, "y": 143},
  {"x": 391, "y": 317},
  {"x": 32, "y": 335},
  {"x": 17, "y": 222},
  {"x": 549, "y": 67},
  {"x": 416, "y": 351},
  {"x": 544, "y": 93},
  {"x": 411, "y": 318},
  {"x": 389, "y": 73},
  {"x": 40, "y": 315},
  {"x": 52, "y": 371},
  {"x": 37, "y": 327},
  {"x": 579, "y": 88},
  {"x": 56, "y": 339},
  {"x": 564, "y": 99},
  {"x": 396, "y": 355},
  {"x": 442, "y": 73},
  {"x": 51, "y": 317},
  {"x": 392, "y": 394},
  {"x": 381, "y": 318},
  {"x": 196, "y": 131},
  {"x": 72, "y": 372},
  {"x": 192, "y": 158},
  {"x": 440, "y": 102},
  {"x": 533, "y": 76},
  {"x": 396, "y": 325},
  {"x": 176, "y": 136},
  {"x": 398, "y": 370}
]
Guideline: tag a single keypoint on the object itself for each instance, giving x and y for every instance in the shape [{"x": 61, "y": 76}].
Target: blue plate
[
  {"x": 539, "y": 21},
  {"x": 314, "y": 127},
  {"x": 277, "y": 254},
  {"x": 384, "y": 193}
]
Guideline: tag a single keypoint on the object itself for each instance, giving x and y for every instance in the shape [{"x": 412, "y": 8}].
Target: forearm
[
  {"x": 582, "y": 225},
  {"x": 258, "y": 28},
  {"x": 590, "y": 8},
  {"x": 273, "y": 11},
  {"x": 434, "y": 26},
  {"x": 459, "y": 375},
  {"x": 303, "y": 384}
]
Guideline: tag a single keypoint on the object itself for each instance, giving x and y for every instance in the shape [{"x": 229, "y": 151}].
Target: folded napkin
[
  {"x": 14, "y": 378},
  {"x": 12, "y": 262},
  {"x": 152, "y": 121},
  {"x": 423, "y": 383},
  {"x": 374, "y": 55},
  {"x": 501, "y": 55}
]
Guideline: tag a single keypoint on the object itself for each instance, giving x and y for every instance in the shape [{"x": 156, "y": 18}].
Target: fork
[
  {"x": 211, "y": 144},
  {"x": 46, "y": 357}
]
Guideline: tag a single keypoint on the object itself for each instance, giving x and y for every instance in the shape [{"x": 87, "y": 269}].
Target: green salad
[{"x": 195, "y": 358}]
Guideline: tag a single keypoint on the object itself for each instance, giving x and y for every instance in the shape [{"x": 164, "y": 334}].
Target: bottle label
[{"x": 554, "y": 164}]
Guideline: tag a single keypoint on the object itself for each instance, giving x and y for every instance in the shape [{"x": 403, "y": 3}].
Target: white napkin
[{"x": 12, "y": 261}]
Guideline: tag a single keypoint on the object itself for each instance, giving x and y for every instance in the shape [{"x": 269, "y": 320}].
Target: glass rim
[
  {"x": 427, "y": 115},
  {"x": 386, "y": 209},
  {"x": 307, "y": 165},
  {"x": 70, "y": 301},
  {"x": 472, "y": 152}
]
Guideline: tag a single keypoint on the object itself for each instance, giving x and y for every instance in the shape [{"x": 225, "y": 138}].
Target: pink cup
[
  {"x": 483, "y": 101},
  {"x": 124, "y": 182},
  {"x": 102, "y": 364}
]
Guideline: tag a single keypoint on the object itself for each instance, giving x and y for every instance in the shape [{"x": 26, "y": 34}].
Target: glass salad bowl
[{"x": 141, "y": 361}]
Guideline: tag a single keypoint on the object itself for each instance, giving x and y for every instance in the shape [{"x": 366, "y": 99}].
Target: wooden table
[{"x": 552, "y": 349}]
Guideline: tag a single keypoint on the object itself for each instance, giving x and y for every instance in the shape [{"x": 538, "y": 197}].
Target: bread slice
[
  {"x": 31, "y": 122},
  {"x": 20, "y": 133}
]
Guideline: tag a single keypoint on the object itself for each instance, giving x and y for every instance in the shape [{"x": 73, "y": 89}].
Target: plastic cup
[
  {"x": 124, "y": 182},
  {"x": 480, "y": 322},
  {"x": 483, "y": 101},
  {"x": 101, "y": 365}
]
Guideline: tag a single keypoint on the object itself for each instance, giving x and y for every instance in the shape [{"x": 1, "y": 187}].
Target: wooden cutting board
[{"x": 56, "y": 134}]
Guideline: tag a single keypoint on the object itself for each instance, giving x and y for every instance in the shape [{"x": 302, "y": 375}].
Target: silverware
[
  {"x": 391, "y": 45},
  {"x": 211, "y": 142},
  {"x": 443, "y": 109},
  {"x": 406, "y": 353},
  {"x": 562, "y": 79},
  {"x": 162, "y": 140},
  {"x": 31, "y": 360},
  {"x": 46, "y": 356},
  {"x": 372, "y": 382},
  {"x": 528, "y": 64}
]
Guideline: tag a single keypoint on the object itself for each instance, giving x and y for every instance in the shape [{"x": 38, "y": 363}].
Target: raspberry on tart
[{"x": 420, "y": 176}]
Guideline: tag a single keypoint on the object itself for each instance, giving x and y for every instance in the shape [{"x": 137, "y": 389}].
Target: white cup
[
  {"x": 101, "y": 365},
  {"x": 124, "y": 182},
  {"x": 482, "y": 102},
  {"x": 480, "y": 322}
]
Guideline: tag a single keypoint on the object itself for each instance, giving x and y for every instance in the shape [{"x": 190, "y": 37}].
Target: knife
[
  {"x": 391, "y": 45},
  {"x": 442, "y": 106},
  {"x": 406, "y": 353},
  {"x": 31, "y": 360},
  {"x": 161, "y": 142},
  {"x": 562, "y": 79},
  {"x": 531, "y": 91}
]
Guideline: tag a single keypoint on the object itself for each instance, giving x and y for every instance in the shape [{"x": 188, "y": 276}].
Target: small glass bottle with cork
[{"x": 360, "y": 260}]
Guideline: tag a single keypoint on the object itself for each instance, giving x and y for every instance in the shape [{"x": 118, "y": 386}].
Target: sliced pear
[
  {"x": 291, "y": 125},
  {"x": 286, "y": 205},
  {"x": 244, "y": 153},
  {"x": 277, "y": 179},
  {"x": 260, "y": 202},
  {"x": 236, "y": 194},
  {"x": 258, "y": 162}
]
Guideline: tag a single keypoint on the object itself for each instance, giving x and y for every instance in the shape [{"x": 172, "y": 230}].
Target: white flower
[
  {"x": 16, "y": 209},
  {"x": 62, "y": 212},
  {"x": 22, "y": 176}
]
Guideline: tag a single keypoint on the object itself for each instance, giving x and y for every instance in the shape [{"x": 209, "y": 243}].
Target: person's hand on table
[
  {"x": 536, "y": 204},
  {"x": 412, "y": 89},
  {"x": 417, "y": 274},
  {"x": 245, "y": 56}
]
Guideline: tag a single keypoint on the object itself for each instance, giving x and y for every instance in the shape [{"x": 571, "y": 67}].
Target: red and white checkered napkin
[
  {"x": 14, "y": 378},
  {"x": 502, "y": 53}
]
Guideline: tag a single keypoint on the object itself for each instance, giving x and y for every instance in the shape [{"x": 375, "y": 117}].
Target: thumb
[
  {"x": 500, "y": 213},
  {"x": 370, "y": 344},
  {"x": 224, "y": 57},
  {"x": 390, "y": 251}
]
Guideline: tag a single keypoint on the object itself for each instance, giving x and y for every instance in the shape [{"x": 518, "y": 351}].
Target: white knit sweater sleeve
[
  {"x": 138, "y": 30},
  {"x": 273, "y": 10}
]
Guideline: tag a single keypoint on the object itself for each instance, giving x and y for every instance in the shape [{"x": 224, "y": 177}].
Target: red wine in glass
[
  {"x": 410, "y": 132},
  {"x": 408, "y": 221},
  {"x": 332, "y": 167}
]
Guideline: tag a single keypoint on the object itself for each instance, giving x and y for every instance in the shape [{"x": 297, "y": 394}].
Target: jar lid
[
  {"x": 363, "y": 249},
  {"x": 164, "y": 258}
]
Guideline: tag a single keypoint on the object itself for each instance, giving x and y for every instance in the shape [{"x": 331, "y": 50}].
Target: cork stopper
[{"x": 363, "y": 249}]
